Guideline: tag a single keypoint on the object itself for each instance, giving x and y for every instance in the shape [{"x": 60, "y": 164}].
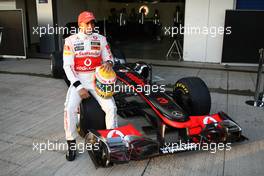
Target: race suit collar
[{"x": 83, "y": 35}]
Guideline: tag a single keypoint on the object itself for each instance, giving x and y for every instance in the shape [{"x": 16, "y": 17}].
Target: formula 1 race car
[{"x": 152, "y": 123}]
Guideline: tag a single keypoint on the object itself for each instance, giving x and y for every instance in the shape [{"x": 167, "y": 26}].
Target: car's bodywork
[{"x": 163, "y": 114}]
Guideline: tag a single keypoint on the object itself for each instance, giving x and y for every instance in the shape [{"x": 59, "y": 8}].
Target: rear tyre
[
  {"x": 193, "y": 95},
  {"x": 91, "y": 116},
  {"x": 56, "y": 65}
]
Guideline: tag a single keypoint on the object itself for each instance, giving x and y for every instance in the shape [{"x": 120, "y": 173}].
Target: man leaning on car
[{"x": 83, "y": 52}]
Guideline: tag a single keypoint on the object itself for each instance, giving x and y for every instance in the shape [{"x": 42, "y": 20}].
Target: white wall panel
[
  {"x": 205, "y": 13},
  {"x": 217, "y": 19},
  {"x": 196, "y": 15}
]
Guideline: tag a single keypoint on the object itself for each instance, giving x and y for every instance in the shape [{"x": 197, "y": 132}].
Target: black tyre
[
  {"x": 193, "y": 95},
  {"x": 64, "y": 77},
  {"x": 91, "y": 116},
  {"x": 56, "y": 65}
]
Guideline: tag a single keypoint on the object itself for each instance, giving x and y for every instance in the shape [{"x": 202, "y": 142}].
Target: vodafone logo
[
  {"x": 115, "y": 132},
  {"x": 80, "y": 68},
  {"x": 208, "y": 120},
  {"x": 88, "y": 62}
]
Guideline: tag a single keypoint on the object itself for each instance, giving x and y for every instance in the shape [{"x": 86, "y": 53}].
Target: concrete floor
[{"x": 31, "y": 111}]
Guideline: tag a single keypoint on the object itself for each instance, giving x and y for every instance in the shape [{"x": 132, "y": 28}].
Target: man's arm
[
  {"x": 68, "y": 65},
  {"x": 106, "y": 53}
]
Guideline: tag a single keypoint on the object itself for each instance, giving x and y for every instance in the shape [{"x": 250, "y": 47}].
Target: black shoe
[{"x": 71, "y": 153}]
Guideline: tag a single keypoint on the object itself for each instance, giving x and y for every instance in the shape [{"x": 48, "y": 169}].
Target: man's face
[{"x": 87, "y": 28}]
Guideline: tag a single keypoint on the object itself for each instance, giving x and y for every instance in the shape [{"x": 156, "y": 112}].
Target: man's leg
[
  {"x": 72, "y": 103},
  {"x": 109, "y": 107}
]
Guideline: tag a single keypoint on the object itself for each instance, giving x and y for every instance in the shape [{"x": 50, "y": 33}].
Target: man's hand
[
  {"x": 107, "y": 66},
  {"x": 84, "y": 93}
]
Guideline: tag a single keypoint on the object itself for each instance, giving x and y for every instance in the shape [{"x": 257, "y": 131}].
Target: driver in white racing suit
[{"x": 83, "y": 52}]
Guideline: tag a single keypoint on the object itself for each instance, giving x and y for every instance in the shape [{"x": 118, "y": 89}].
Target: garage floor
[{"x": 31, "y": 111}]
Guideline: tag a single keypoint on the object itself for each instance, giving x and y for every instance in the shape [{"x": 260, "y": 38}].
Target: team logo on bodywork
[
  {"x": 208, "y": 120},
  {"x": 115, "y": 133},
  {"x": 162, "y": 100},
  {"x": 177, "y": 114}
]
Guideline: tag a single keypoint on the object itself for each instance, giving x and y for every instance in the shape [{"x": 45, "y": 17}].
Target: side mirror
[{"x": 145, "y": 70}]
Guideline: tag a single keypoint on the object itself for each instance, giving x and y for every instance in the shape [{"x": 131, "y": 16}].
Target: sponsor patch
[
  {"x": 67, "y": 53},
  {"x": 109, "y": 51},
  {"x": 95, "y": 37},
  {"x": 87, "y": 53},
  {"x": 95, "y": 45},
  {"x": 67, "y": 50},
  {"x": 79, "y": 48}
]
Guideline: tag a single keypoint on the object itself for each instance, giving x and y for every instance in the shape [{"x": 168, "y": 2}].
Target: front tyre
[{"x": 193, "y": 95}]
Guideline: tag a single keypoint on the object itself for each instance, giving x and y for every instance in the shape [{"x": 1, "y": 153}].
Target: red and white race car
[{"x": 154, "y": 122}]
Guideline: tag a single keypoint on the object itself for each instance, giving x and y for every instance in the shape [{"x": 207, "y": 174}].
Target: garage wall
[
  {"x": 68, "y": 11},
  {"x": 196, "y": 15},
  {"x": 32, "y": 20},
  {"x": 20, "y": 4},
  {"x": 205, "y": 13},
  {"x": 214, "y": 45}
]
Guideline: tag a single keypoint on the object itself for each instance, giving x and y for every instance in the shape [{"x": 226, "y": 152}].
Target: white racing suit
[{"x": 82, "y": 54}]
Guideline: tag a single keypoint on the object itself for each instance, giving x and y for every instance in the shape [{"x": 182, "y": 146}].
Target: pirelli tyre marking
[{"x": 183, "y": 87}]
